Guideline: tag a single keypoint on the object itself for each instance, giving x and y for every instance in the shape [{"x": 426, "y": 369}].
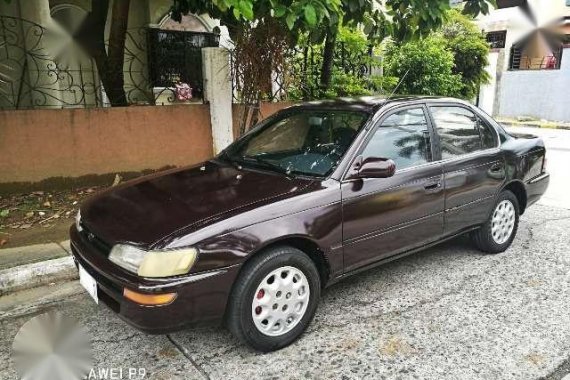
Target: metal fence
[
  {"x": 301, "y": 76},
  {"x": 309, "y": 61},
  {"x": 44, "y": 68}
]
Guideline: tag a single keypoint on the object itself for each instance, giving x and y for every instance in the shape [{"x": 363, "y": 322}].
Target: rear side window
[
  {"x": 403, "y": 137},
  {"x": 461, "y": 131}
]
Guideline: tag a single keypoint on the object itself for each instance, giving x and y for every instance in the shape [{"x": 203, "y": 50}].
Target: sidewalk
[
  {"x": 35, "y": 265},
  {"x": 530, "y": 122}
]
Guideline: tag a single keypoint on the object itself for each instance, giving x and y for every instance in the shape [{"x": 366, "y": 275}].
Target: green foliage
[
  {"x": 347, "y": 85},
  {"x": 428, "y": 64},
  {"x": 470, "y": 51},
  {"x": 451, "y": 61},
  {"x": 351, "y": 54},
  {"x": 351, "y": 85},
  {"x": 315, "y": 20},
  {"x": 297, "y": 15},
  {"x": 402, "y": 19},
  {"x": 382, "y": 84}
]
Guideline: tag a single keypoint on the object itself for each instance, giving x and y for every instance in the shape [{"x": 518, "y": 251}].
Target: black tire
[
  {"x": 239, "y": 319},
  {"x": 483, "y": 237}
]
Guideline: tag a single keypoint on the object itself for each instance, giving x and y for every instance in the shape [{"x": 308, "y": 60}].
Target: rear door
[
  {"x": 473, "y": 164},
  {"x": 385, "y": 216}
]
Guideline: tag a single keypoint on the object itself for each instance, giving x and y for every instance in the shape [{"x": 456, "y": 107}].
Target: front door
[{"x": 386, "y": 216}]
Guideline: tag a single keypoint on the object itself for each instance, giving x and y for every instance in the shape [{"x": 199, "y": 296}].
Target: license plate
[{"x": 88, "y": 283}]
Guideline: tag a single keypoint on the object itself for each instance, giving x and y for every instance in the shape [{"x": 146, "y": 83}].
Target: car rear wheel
[
  {"x": 274, "y": 298},
  {"x": 499, "y": 231}
]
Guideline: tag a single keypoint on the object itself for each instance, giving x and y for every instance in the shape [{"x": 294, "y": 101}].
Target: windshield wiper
[
  {"x": 231, "y": 159},
  {"x": 267, "y": 165}
]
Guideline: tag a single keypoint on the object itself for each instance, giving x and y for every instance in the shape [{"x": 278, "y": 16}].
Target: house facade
[
  {"x": 529, "y": 62},
  {"x": 43, "y": 66}
]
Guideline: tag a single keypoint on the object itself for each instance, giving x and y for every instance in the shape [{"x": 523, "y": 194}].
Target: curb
[
  {"x": 37, "y": 274},
  {"x": 533, "y": 125}
]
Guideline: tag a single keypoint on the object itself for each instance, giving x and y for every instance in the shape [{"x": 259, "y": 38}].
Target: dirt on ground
[{"x": 40, "y": 216}]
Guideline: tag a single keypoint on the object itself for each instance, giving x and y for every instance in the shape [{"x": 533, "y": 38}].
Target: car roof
[{"x": 371, "y": 104}]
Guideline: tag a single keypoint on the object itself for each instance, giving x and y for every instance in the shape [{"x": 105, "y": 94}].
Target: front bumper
[
  {"x": 536, "y": 187},
  {"x": 200, "y": 297}
]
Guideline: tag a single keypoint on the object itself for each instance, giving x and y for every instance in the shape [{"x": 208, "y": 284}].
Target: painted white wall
[
  {"x": 218, "y": 93},
  {"x": 538, "y": 93},
  {"x": 543, "y": 94},
  {"x": 487, "y": 92}
]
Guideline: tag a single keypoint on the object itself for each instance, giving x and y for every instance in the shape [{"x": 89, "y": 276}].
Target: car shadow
[{"x": 212, "y": 340}]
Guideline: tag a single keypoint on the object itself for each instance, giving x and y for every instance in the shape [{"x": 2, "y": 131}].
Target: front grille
[
  {"x": 94, "y": 241},
  {"x": 107, "y": 291}
]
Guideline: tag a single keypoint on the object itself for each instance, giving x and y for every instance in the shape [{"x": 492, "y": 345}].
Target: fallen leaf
[
  {"x": 25, "y": 226},
  {"x": 38, "y": 193},
  {"x": 396, "y": 346},
  {"x": 4, "y": 213},
  {"x": 90, "y": 190},
  {"x": 29, "y": 214},
  {"x": 46, "y": 204},
  {"x": 535, "y": 358},
  {"x": 3, "y": 242},
  {"x": 41, "y": 213},
  {"x": 117, "y": 180}
]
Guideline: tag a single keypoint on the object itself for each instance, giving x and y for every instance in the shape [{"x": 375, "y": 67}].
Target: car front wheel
[
  {"x": 499, "y": 231},
  {"x": 274, "y": 298}
]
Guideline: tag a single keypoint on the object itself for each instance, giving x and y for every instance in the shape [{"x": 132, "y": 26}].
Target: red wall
[{"x": 40, "y": 144}]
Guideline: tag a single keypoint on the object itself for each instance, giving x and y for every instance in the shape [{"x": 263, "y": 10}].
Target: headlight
[
  {"x": 153, "y": 263},
  {"x": 78, "y": 221}
]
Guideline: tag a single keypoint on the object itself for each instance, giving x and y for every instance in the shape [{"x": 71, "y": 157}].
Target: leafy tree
[
  {"x": 347, "y": 79},
  {"x": 470, "y": 51},
  {"x": 425, "y": 67},
  {"x": 402, "y": 19},
  {"x": 249, "y": 20}
]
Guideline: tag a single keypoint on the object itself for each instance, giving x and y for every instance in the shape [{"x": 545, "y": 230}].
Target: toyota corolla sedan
[{"x": 313, "y": 194}]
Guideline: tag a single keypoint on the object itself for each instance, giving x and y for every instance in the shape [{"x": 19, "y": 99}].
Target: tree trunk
[
  {"x": 116, "y": 54},
  {"x": 109, "y": 63},
  {"x": 328, "y": 58}
]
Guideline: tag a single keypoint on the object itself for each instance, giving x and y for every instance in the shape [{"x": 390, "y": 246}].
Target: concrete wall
[
  {"x": 40, "y": 144},
  {"x": 37, "y": 145},
  {"x": 543, "y": 94},
  {"x": 487, "y": 91}
]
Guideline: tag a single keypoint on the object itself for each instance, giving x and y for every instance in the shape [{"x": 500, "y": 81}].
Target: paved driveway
[{"x": 446, "y": 313}]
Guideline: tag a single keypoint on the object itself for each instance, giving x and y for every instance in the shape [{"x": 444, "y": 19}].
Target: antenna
[{"x": 398, "y": 85}]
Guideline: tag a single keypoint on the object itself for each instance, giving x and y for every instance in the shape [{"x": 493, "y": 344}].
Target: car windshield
[{"x": 307, "y": 142}]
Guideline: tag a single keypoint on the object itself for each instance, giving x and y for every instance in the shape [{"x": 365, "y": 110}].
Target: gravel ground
[{"x": 447, "y": 313}]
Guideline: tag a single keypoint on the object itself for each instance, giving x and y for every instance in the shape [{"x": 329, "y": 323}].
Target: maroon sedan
[{"x": 313, "y": 194}]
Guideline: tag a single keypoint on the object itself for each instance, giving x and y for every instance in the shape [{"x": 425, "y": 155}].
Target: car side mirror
[{"x": 373, "y": 167}]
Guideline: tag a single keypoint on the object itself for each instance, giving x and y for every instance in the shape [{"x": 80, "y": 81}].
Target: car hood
[{"x": 149, "y": 209}]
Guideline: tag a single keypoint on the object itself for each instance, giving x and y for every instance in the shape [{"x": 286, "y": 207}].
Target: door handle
[{"x": 432, "y": 186}]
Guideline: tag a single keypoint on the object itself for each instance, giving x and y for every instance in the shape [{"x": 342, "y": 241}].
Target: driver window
[{"x": 403, "y": 137}]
